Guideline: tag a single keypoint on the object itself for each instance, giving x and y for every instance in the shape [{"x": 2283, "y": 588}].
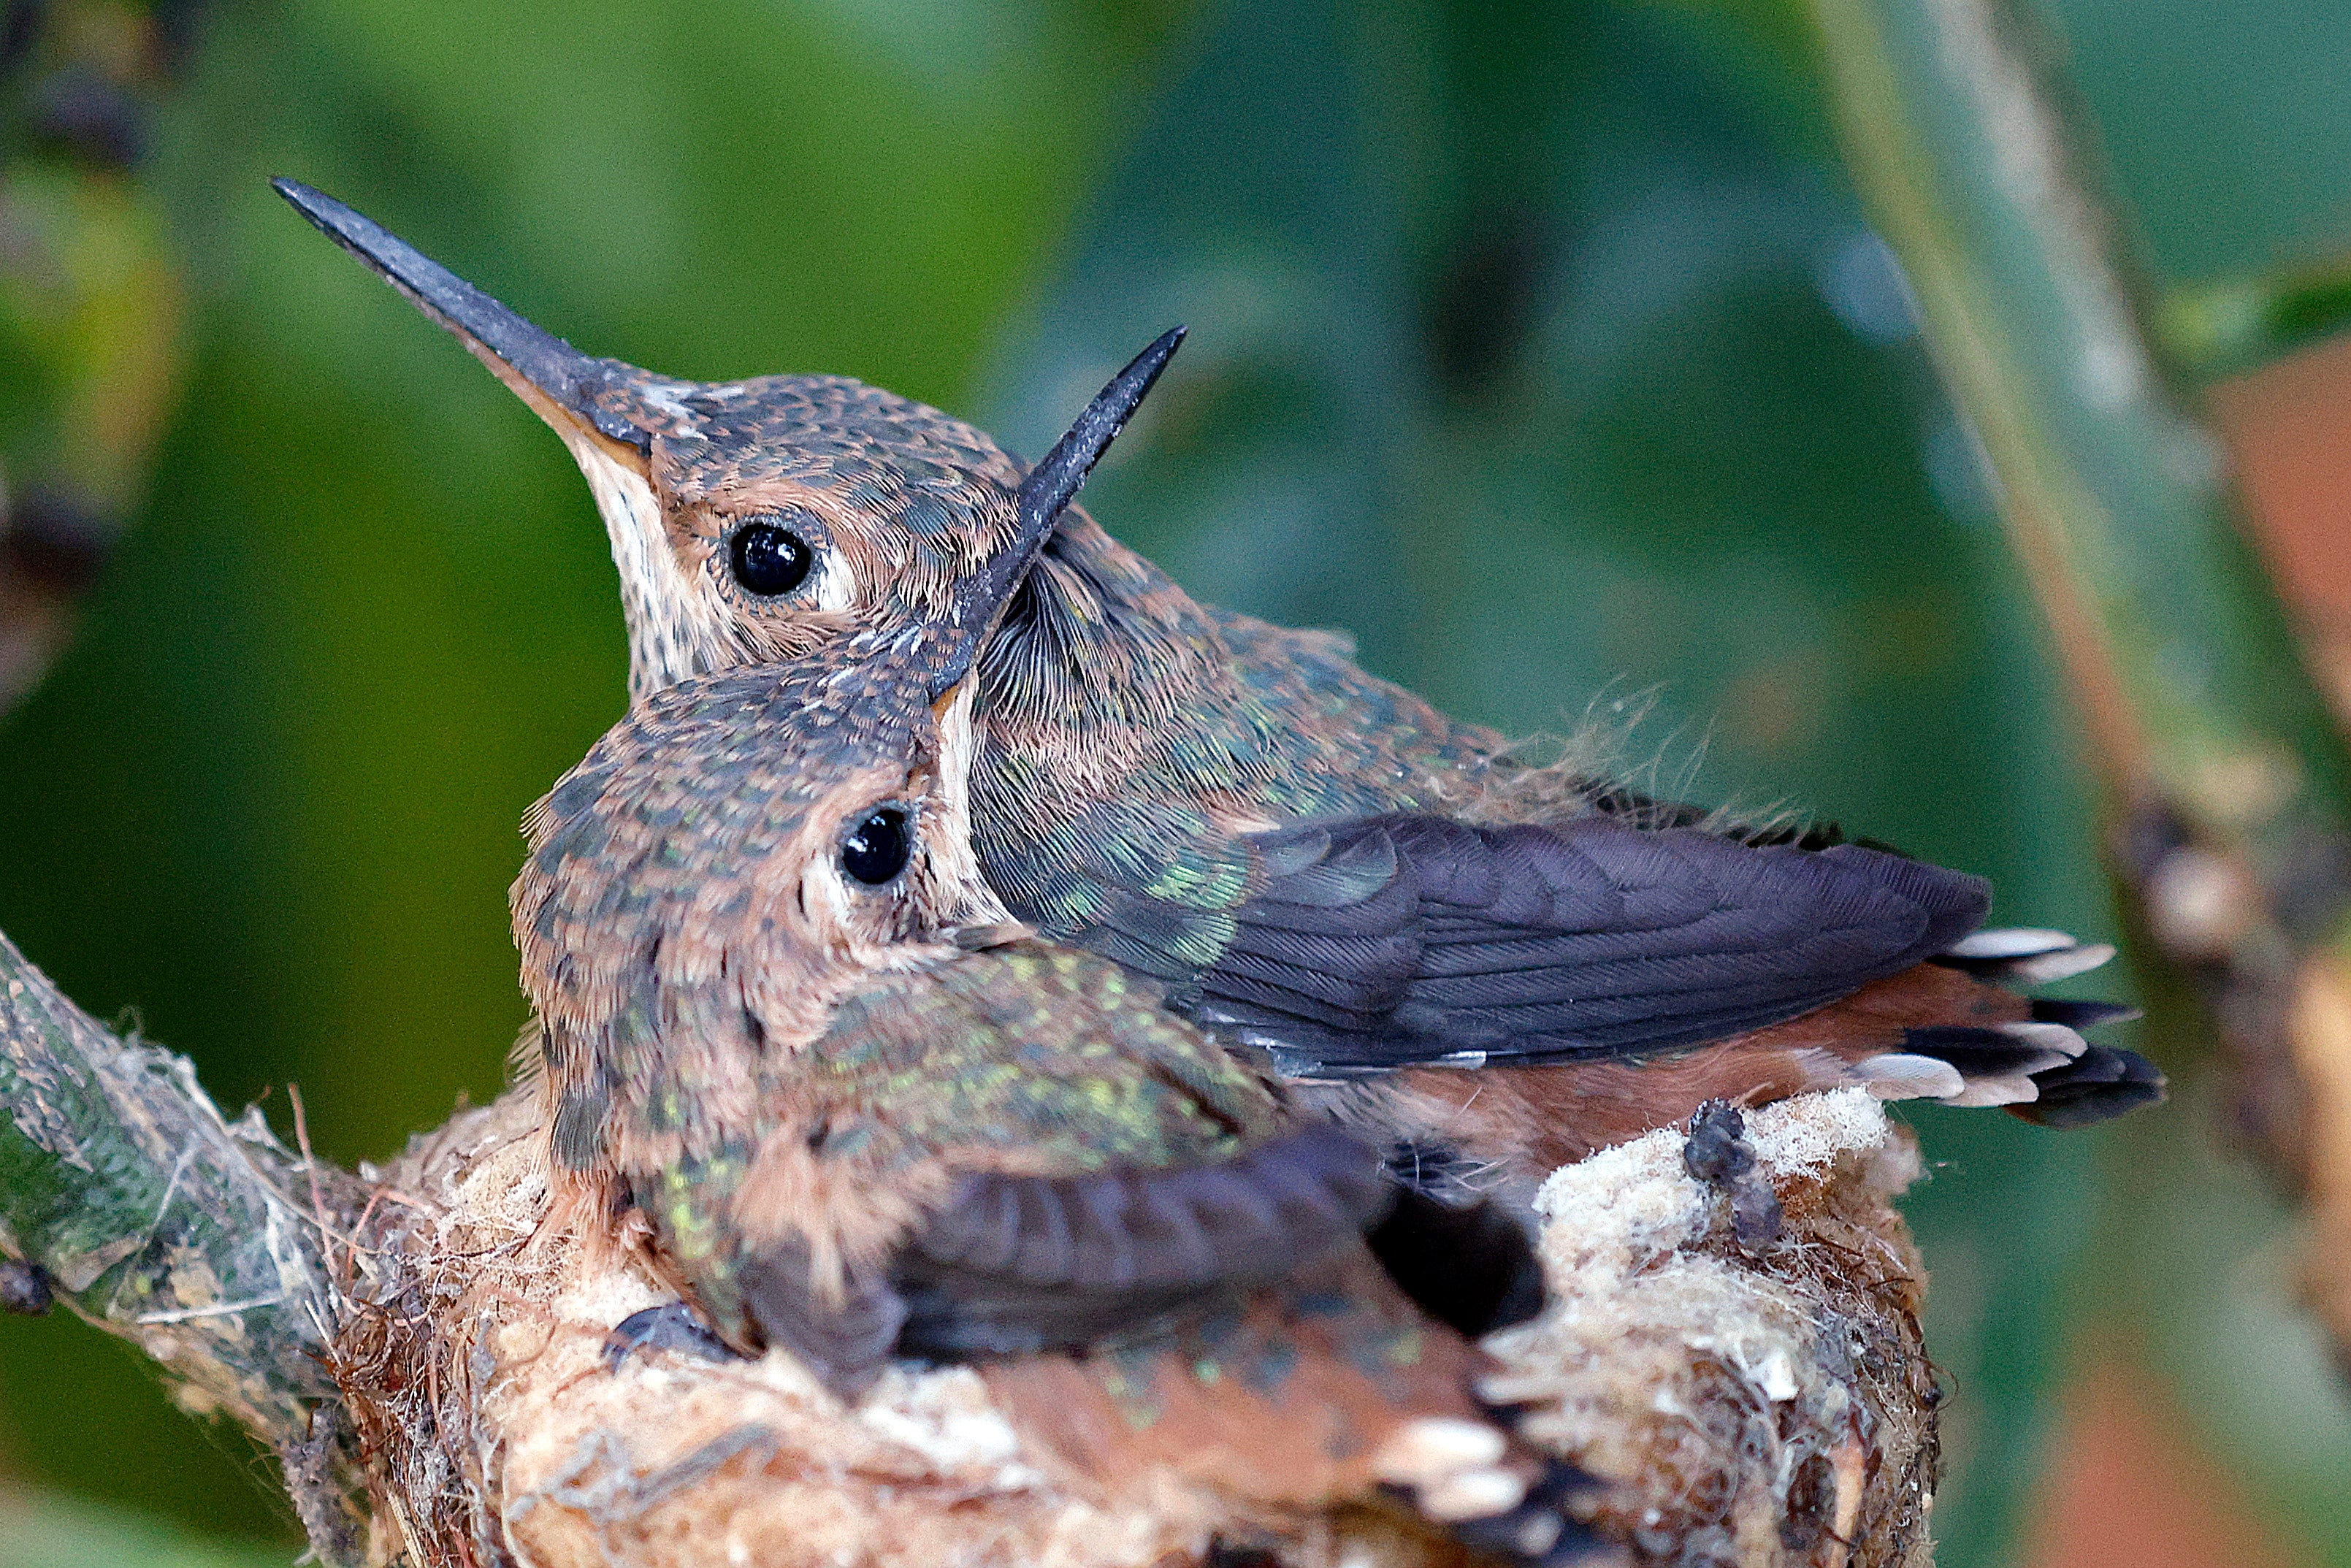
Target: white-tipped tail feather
[
  {"x": 2024, "y": 955},
  {"x": 1899, "y": 1075},
  {"x": 2041, "y": 1067},
  {"x": 2011, "y": 942},
  {"x": 2056, "y": 1043}
]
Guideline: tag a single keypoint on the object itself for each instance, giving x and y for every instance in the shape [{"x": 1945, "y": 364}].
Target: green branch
[
  {"x": 2223, "y": 764},
  {"x": 204, "y": 1242}
]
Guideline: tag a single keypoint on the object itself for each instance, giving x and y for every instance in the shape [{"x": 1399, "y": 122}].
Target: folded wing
[{"x": 1410, "y": 939}]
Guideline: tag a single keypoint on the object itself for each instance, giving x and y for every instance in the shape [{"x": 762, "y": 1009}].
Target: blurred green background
[{"x": 1542, "y": 346}]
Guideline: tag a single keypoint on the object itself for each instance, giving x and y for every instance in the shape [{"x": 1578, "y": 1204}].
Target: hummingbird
[
  {"x": 866, "y": 1115},
  {"x": 1490, "y": 967}
]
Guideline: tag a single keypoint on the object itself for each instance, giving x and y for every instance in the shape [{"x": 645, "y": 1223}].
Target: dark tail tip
[
  {"x": 2100, "y": 1084},
  {"x": 2079, "y": 1014}
]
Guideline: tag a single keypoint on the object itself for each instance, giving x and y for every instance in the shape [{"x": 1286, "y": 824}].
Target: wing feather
[
  {"x": 1546, "y": 943},
  {"x": 1126, "y": 1167},
  {"x": 1015, "y": 1264}
]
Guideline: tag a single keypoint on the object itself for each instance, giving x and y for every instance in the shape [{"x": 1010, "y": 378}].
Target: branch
[
  {"x": 200, "y": 1241},
  {"x": 2223, "y": 769}
]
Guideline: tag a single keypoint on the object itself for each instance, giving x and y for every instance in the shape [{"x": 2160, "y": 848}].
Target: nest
[{"x": 1749, "y": 1381}]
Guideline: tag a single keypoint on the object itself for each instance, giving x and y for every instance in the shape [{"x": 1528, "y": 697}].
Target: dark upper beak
[
  {"x": 1043, "y": 496},
  {"x": 556, "y": 378}
]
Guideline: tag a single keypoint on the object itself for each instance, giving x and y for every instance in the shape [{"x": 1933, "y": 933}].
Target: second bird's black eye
[
  {"x": 769, "y": 558},
  {"x": 876, "y": 848}
]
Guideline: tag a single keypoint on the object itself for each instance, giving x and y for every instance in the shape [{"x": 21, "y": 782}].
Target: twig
[
  {"x": 161, "y": 1222},
  {"x": 311, "y": 1170}
]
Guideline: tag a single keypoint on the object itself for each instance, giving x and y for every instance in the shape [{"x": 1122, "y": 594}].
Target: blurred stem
[
  {"x": 92, "y": 338},
  {"x": 202, "y": 1242},
  {"x": 2224, "y": 771}
]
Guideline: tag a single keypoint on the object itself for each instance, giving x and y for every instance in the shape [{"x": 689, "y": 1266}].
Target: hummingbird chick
[
  {"x": 867, "y": 1115},
  {"x": 1340, "y": 880},
  {"x": 786, "y": 511}
]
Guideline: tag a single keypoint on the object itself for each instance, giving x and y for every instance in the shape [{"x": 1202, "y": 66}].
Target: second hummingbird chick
[{"x": 865, "y": 1116}]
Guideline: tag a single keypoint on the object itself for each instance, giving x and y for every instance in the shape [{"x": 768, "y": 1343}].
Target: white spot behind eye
[{"x": 836, "y": 585}]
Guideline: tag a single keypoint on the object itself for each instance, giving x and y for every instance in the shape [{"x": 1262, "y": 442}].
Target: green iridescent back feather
[
  {"x": 1238, "y": 718},
  {"x": 1029, "y": 1058},
  {"x": 1036, "y": 1057}
]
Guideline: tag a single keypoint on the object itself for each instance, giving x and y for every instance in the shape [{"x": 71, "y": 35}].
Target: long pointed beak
[
  {"x": 556, "y": 379},
  {"x": 1043, "y": 496}
]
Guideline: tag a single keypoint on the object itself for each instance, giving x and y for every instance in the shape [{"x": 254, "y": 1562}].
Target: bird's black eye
[
  {"x": 876, "y": 848},
  {"x": 769, "y": 558}
]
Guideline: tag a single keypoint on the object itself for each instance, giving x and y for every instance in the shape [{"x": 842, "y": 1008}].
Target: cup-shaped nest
[{"x": 1736, "y": 1353}]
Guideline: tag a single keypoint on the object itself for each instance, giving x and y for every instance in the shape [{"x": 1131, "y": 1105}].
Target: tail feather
[
  {"x": 2038, "y": 1067},
  {"x": 1328, "y": 1386},
  {"x": 1999, "y": 942},
  {"x": 1996, "y": 1063},
  {"x": 2081, "y": 1015},
  {"x": 2023, "y": 955},
  {"x": 1905, "y": 1075},
  {"x": 1540, "y": 1530},
  {"x": 2103, "y": 1081}
]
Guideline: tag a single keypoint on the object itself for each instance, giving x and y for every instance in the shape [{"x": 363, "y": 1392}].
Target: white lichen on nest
[
  {"x": 1760, "y": 1407},
  {"x": 1765, "y": 1408}
]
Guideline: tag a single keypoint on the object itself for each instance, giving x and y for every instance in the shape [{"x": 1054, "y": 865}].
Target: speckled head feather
[
  {"x": 757, "y": 519},
  {"x": 682, "y": 904},
  {"x": 669, "y": 832},
  {"x": 718, "y": 802},
  {"x": 799, "y": 1063}
]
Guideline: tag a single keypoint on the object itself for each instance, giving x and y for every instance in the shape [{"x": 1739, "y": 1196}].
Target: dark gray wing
[
  {"x": 1015, "y": 1264},
  {"x": 1405, "y": 939}
]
